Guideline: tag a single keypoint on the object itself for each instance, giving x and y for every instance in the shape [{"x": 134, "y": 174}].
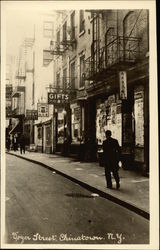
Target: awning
[{"x": 15, "y": 129}]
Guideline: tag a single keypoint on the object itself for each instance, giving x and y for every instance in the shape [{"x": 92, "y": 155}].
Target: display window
[
  {"x": 60, "y": 127},
  {"x": 76, "y": 123}
]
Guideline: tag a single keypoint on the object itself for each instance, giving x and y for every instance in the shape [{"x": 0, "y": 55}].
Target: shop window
[
  {"x": 81, "y": 21},
  {"x": 76, "y": 115},
  {"x": 48, "y": 29},
  {"x": 60, "y": 127},
  {"x": 82, "y": 70}
]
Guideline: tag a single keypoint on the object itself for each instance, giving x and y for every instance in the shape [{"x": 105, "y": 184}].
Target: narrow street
[{"x": 45, "y": 208}]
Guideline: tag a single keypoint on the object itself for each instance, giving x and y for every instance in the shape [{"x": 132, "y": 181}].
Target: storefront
[
  {"x": 109, "y": 116},
  {"x": 77, "y": 129},
  {"x": 126, "y": 120},
  {"x": 48, "y": 137},
  {"x": 39, "y": 137}
]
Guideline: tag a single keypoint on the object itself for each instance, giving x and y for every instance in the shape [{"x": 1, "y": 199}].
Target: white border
[{"x": 154, "y": 191}]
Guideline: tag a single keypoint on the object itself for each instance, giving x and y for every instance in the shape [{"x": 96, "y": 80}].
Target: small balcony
[
  {"x": 17, "y": 90},
  {"x": 116, "y": 55},
  {"x": 69, "y": 40},
  {"x": 56, "y": 48}
]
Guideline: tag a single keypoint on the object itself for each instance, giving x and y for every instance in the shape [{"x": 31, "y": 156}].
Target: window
[
  {"x": 73, "y": 75},
  {"x": 48, "y": 29},
  {"x": 58, "y": 38},
  {"x": 65, "y": 31},
  {"x": 47, "y": 57},
  {"x": 73, "y": 26},
  {"x": 81, "y": 21},
  {"x": 95, "y": 44},
  {"x": 65, "y": 78},
  {"x": 58, "y": 80},
  {"x": 82, "y": 70}
]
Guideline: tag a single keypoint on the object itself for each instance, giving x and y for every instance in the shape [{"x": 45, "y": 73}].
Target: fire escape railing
[
  {"x": 120, "y": 50},
  {"x": 70, "y": 40}
]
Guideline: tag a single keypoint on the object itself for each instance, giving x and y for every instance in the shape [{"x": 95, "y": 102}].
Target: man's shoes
[
  {"x": 109, "y": 187},
  {"x": 117, "y": 186}
]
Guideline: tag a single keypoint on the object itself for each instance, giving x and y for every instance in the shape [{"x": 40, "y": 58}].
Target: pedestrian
[
  {"x": 8, "y": 144},
  {"x": 111, "y": 154},
  {"x": 14, "y": 141},
  {"x": 22, "y": 144}
]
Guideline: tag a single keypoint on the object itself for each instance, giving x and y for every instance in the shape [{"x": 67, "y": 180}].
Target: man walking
[
  {"x": 22, "y": 144},
  {"x": 111, "y": 151}
]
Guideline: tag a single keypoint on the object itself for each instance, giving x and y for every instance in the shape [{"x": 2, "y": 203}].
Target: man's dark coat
[{"x": 111, "y": 153}]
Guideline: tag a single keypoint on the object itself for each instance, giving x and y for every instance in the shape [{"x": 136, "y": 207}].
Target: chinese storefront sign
[
  {"x": 43, "y": 110},
  {"x": 123, "y": 84},
  {"x": 58, "y": 98},
  {"x": 31, "y": 114}
]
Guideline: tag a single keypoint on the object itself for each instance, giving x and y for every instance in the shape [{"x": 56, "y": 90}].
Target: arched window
[
  {"x": 130, "y": 35},
  {"x": 129, "y": 24},
  {"x": 110, "y": 49}
]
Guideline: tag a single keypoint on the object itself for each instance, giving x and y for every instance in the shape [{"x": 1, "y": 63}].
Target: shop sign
[
  {"x": 31, "y": 114},
  {"x": 58, "y": 98},
  {"x": 139, "y": 116},
  {"x": 123, "y": 84},
  {"x": 43, "y": 109}
]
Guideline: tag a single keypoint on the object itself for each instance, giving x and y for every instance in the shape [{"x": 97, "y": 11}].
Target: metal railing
[{"x": 121, "y": 49}]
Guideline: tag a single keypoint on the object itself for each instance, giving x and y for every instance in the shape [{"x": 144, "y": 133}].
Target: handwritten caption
[{"x": 118, "y": 238}]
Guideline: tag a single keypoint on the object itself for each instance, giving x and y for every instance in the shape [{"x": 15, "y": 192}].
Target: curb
[{"x": 110, "y": 197}]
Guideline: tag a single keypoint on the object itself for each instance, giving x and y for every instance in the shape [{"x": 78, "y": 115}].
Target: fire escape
[
  {"x": 118, "y": 53},
  {"x": 68, "y": 40}
]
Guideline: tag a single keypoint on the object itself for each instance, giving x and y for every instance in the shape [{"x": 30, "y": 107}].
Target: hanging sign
[
  {"x": 123, "y": 84},
  {"x": 43, "y": 110},
  {"x": 58, "y": 98},
  {"x": 31, "y": 114}
]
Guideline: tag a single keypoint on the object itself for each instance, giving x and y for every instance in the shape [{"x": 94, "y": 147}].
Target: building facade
[
  {"x": 83, "y": 72},
  {"x": 103, "y": 56}
]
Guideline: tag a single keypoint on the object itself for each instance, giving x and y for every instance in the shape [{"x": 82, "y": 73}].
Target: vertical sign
[{"x": 123, "y": 84}]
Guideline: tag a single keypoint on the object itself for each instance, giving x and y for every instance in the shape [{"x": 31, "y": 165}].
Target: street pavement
[
  {"x": 43, "y": 207},
  {"x": 134, "y": 188}
]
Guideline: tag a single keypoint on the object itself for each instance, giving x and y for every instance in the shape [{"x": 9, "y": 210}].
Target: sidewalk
[{"x": 134, "y": 190}]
